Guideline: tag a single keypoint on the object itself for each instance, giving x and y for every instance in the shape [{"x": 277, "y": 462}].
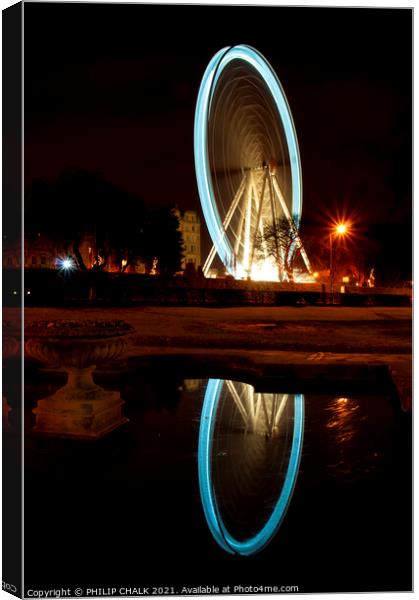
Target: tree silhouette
[
  {"x": 161, "y": 239},
  {"x": 280, "y": 240},
  {"x": 80, "y": 203}
]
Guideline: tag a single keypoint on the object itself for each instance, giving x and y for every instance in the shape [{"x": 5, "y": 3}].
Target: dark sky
[{"x": 112, "y": 88}]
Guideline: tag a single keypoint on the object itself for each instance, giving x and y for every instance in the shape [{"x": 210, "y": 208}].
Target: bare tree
[{"x": 280, "y": 241}]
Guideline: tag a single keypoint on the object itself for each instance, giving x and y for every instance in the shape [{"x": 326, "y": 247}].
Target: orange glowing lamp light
[{"x": 341, "y": 229}]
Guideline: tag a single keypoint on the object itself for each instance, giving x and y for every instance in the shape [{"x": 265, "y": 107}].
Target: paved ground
[{"x": 282, "y": 335}]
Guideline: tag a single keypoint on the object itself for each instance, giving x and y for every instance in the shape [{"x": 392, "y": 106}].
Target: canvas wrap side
[{"x": 12, "y": 21}]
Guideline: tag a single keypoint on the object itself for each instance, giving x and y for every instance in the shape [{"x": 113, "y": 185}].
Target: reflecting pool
[{"x": 219, "y": 482}]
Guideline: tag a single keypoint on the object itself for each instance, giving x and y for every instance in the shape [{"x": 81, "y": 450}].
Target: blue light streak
[
  {"x": 208, "y": 497},
  {"x": 202, "y": 168}
]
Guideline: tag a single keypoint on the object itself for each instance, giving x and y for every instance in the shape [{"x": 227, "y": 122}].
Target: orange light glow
[
  {"x": 341, "y": 229},
  {"x": 342, "y": 400}
]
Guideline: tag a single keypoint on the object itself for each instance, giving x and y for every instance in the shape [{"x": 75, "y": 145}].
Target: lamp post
[{"x": 338, "y": 230}]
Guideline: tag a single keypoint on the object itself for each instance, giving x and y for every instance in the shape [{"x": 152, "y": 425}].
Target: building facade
[
  {"x": 39, "y": 253},
  {"x": 190, "y": 228},
  {"x": 42, "y": 253}
]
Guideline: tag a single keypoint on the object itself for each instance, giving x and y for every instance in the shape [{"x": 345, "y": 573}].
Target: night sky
[{"x": 112, "y": 88}]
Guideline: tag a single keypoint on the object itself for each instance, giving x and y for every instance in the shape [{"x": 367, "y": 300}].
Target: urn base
[{"x": 82, "y": 414}]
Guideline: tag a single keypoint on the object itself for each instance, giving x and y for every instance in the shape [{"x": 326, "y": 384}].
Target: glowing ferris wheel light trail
[
  {"x": 242, "y": 119},
  {"x": 201, "y": 159},
  {"x": 212, "y": 512}
]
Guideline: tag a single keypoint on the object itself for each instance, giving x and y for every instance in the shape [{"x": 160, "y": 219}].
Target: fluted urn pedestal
[{"x": 80, "y": 409}]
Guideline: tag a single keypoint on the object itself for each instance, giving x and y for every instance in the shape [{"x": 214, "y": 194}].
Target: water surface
[{"x": 130, "y": 509}]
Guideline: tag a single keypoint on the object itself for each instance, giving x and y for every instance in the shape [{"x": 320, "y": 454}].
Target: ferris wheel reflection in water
[{"x": 248, "y": 460}]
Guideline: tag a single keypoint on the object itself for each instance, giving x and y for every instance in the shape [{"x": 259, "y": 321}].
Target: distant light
[
  {"x": 315, "y": 275},
  {"x": 341, "y": 229},
  {"x": 345, "y": 279},
  {"x": 66, "y": 264},
  {"x": 28, "y": 292},
  {"x": 265, "y": 270},
  {"x": 14, "y": 292},
  {"x": 153, "y": 270}
]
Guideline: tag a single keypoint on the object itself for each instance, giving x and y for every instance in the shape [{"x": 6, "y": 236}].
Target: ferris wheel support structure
[{"x": 248, "y": 194}]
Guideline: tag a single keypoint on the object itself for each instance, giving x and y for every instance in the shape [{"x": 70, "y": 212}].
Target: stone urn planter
[{"x": 80, "y": 409}]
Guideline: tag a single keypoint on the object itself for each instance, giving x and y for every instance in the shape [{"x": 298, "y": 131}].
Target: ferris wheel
[
  {"x": 247, "y": 163},
  {"x": 249, "y": 453}
]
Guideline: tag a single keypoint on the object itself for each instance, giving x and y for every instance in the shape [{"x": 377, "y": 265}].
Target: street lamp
[
  {"x": 339, "y": 230},
  {"x": 66, "y": 264}
]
